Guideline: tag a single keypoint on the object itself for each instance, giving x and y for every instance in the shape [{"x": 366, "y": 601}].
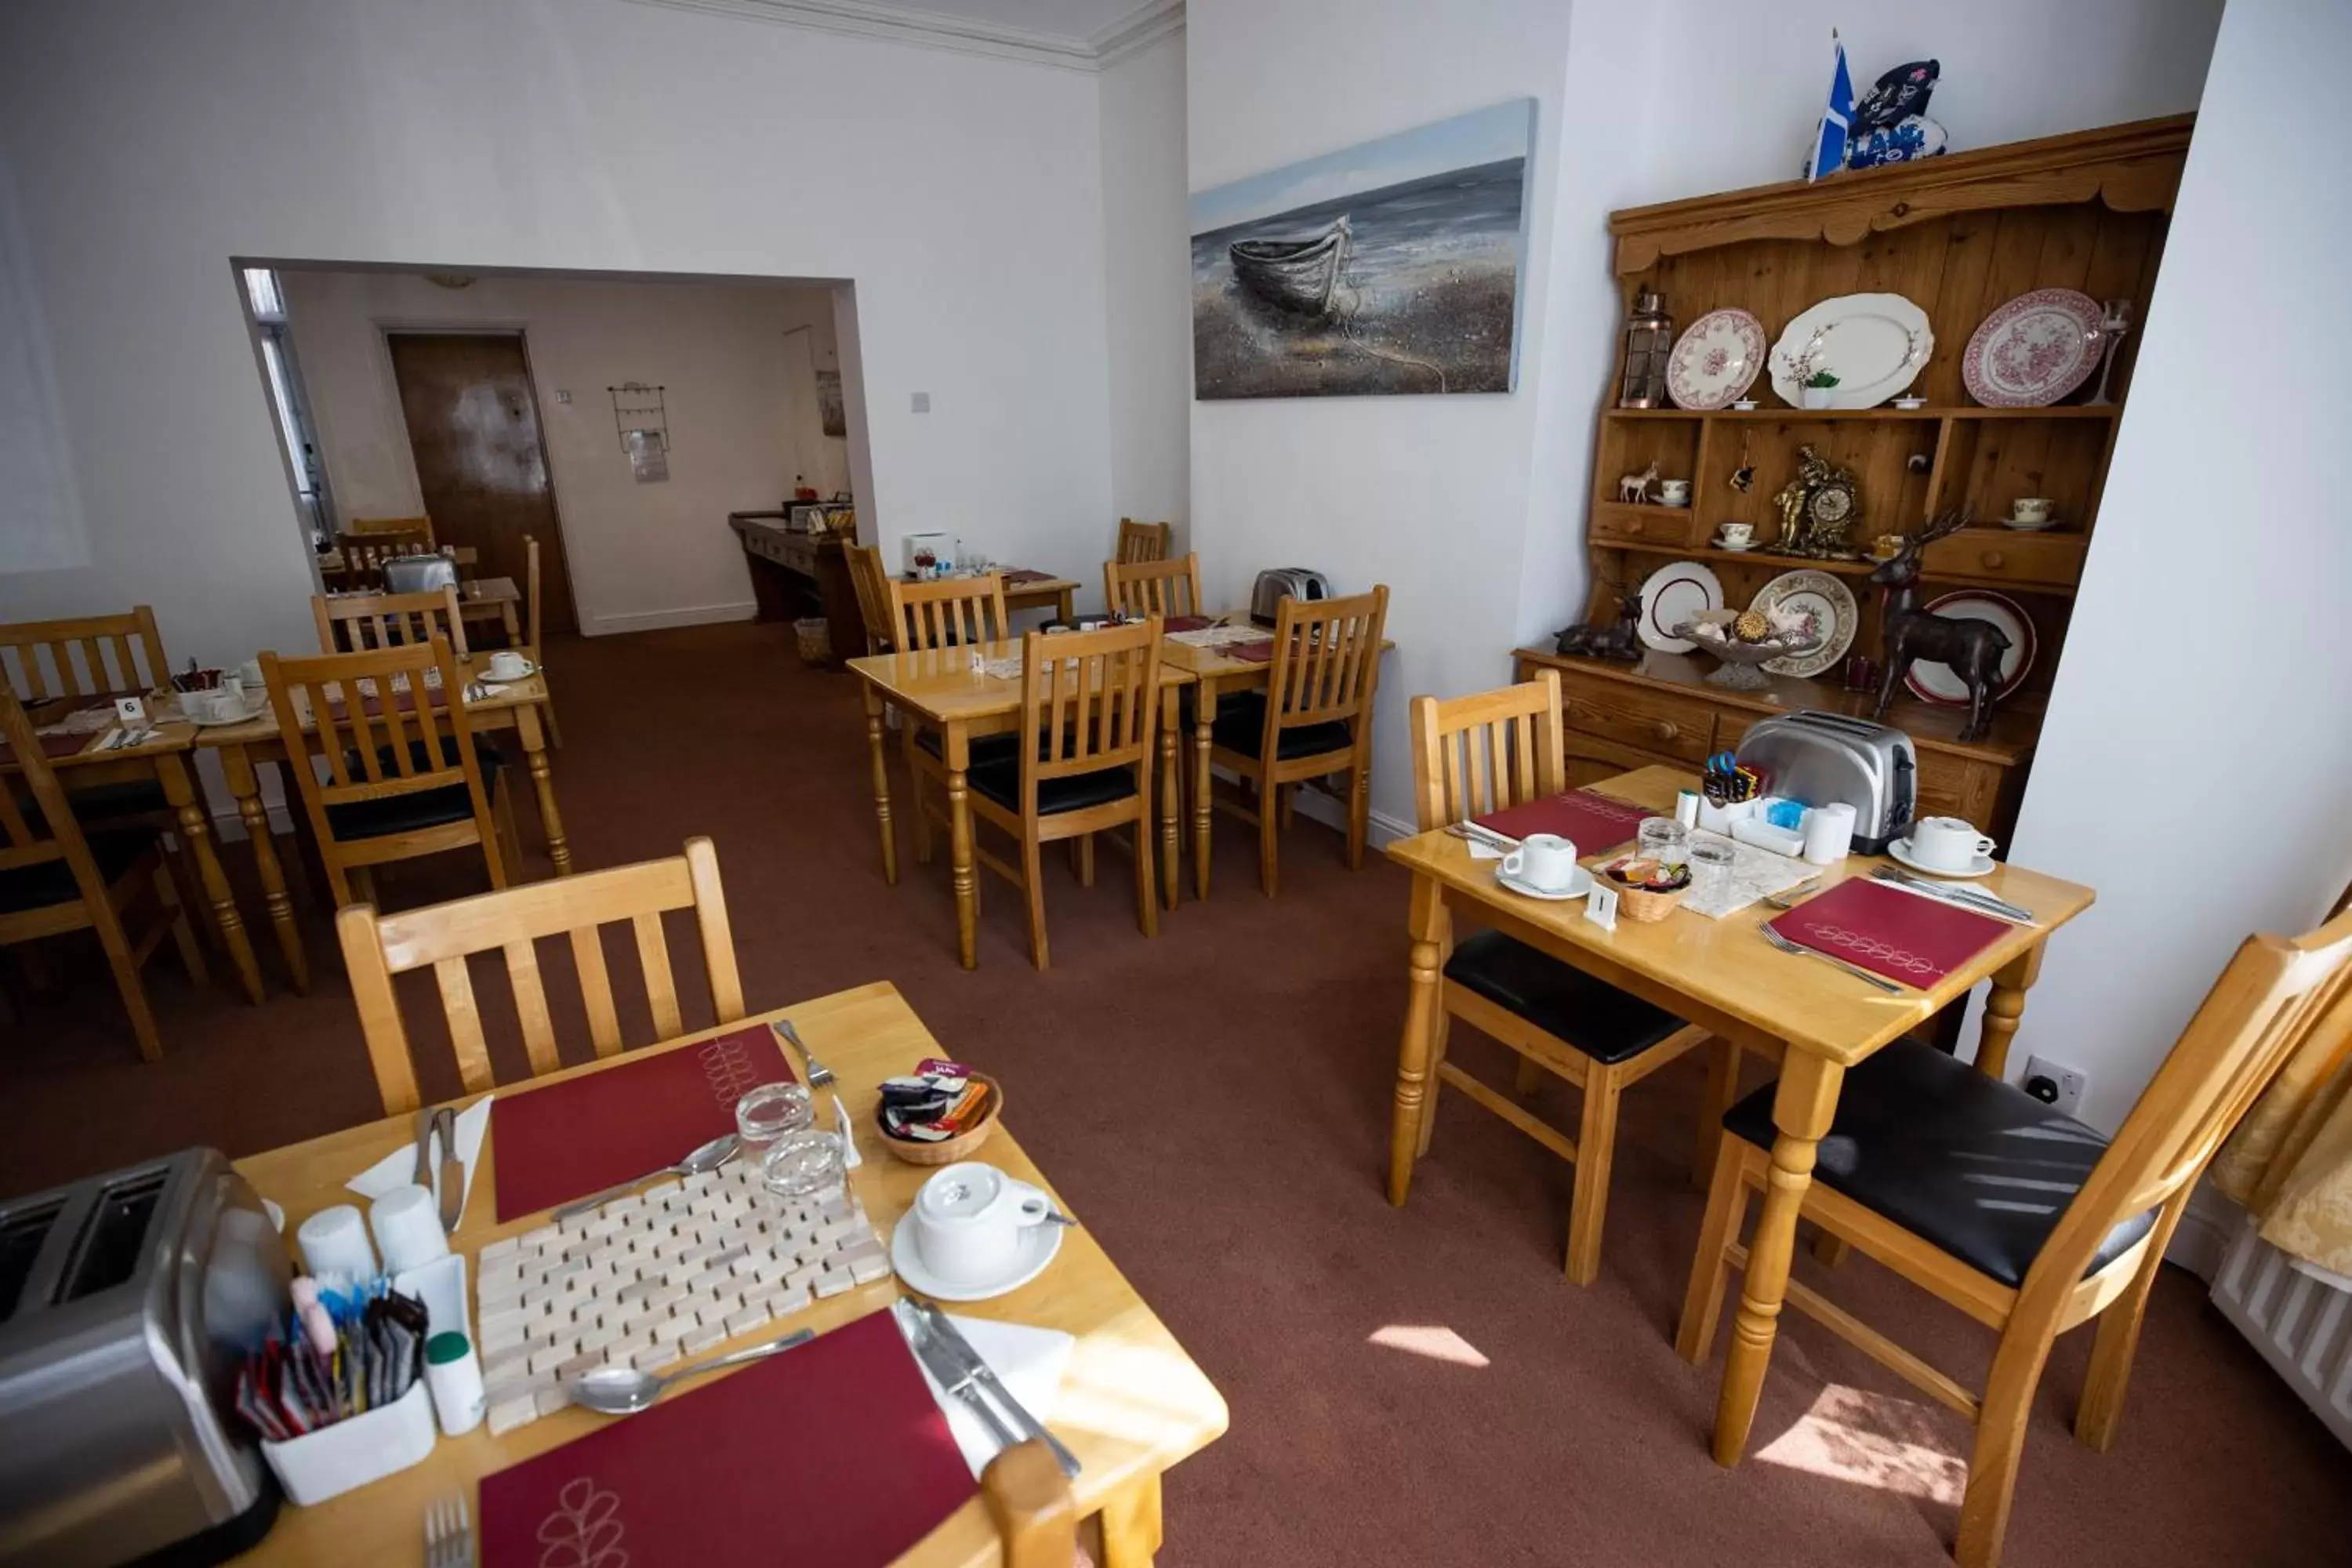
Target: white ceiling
[{"x": 1073, "y": 19}]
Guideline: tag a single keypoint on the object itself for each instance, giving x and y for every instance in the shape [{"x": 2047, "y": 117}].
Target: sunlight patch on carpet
[
  {"x": 1874, "y": 1440},
  {"x": 1434, "y": 1341}
]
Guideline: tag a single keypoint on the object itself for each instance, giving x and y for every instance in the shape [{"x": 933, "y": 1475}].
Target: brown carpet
[{"x": 1215, "y": 1105}]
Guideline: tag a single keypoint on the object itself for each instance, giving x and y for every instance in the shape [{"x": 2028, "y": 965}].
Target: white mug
[
  {"x": 1736, "y": 532},
  {"x": 969, "y": 1219},
  {"x": 1948, "y": 842},
  {"x": 2031, "y": 509},
  {"x": 508, "y": 665},
  {"x": 407, "y": 1226},
  {"x": 1674, "y": 492},
  {"x": 1544, "y": 861},
  {"x": 334, "y": 1241}
]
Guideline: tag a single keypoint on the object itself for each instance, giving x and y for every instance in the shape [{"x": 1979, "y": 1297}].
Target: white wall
[
  {"x": 1148, "y": 284},
  {"x": 641, "y": 555},
  {"x": 2246, "y": 827},
  {"x": 151, "y": 144}
]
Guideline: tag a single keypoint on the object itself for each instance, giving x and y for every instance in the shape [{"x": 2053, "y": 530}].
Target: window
[{"x": 268, "y": 302}]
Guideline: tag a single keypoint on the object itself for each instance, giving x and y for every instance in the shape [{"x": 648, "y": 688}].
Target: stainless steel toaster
[
  {"x": 418, "y": 573},
  {"x": 126, "y": 1301},
  {"x": 1819, "y": 758},
  {"x": 1282, "y": 583}
]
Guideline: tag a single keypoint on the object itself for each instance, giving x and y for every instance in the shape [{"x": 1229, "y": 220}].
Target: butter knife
[
  {"x": 453, "y": 1171},
  {"x": 1963, "y": 898},
  {"x": 956, "y": 1381},
  {"x": 950, "y": 1339},
  {"x": 423, "y": 1177}
]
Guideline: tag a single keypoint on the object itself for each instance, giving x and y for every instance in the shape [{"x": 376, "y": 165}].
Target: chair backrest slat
[
  {"x": 869, "y": 577},
  {"x": 1327, "y": 663},
  {"x": 1143, "y": 540},
  {"x": 534, "y": 630},
  {"x": 1480, "y": 753},
  {"x": 443, "y": 937},
  {"x": 957, "y": 611},
  {"x": 349, "y": 623},
  {"x": 119, "y": 654},
  {"x": 365, "y": 526},
  {"x": 1163, "y": 588}
]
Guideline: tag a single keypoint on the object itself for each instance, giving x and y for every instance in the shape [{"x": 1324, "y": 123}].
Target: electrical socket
[{"x": 2067, "y": 1085}]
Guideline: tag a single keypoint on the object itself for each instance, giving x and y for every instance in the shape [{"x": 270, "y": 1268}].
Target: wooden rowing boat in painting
[{"x": 1296, "y": 274}]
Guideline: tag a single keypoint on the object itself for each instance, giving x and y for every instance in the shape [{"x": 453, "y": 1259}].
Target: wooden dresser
[
  {"x": 799, "y": 574},
  {"x": 1959, "y": 236}
]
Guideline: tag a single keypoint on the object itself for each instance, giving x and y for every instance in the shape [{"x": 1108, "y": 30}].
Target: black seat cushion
[
  {"x": 984, "y": 748},
  {"x": 131, "y": 797},
  {"x": 1001, "y": 781},
  {"x": 37, "y": 887},
  {"x": 1240, "y": 726},
  {"x": 1981, "y": 1169},
  {"x": 1604, "y": 1023},
  {"x": 418, "y": 808}
]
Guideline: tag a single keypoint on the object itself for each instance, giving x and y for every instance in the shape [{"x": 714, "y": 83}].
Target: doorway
[{"x": 481, "y": 467}]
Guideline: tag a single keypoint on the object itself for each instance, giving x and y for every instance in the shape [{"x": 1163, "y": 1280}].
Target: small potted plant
[{"x": 1815, "y": 389}]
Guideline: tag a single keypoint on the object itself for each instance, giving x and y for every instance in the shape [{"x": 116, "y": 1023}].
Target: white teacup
[
  {"x": 508, "y": 665},
  {"x": 1544, "y": 861},
  {"x": 969, "y": 1219},
  {"x": 1674, "y": 492},
  {"x": 2029, "y": 509},
  {"x": 1948, "y": 842},
  {"x": 1736, "y": 534}
]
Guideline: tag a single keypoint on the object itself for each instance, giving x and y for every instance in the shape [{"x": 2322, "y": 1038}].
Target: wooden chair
[
  {"x": 1314, "y": 719},
  {"x": 1082, "y": 759},
  {"x": 378, "y": 947},
  {"x": 1476, "y": 754},
  {"x": 120, "y": 654},
  {"x": 2028, "y": 1221},
  {"x": 377, "y": 525},
  {"x": 1143, "y": 540},
  {"x": 534, "y": 634},
  {"x": 401, "y": 782},
  {"x": 943, "y": 612},
  {"x": 1163, "y": 588},
  {"x": 53, "y": 880},
  {"x": 349, "y": 623},
  {"x": 871, "y": 581}
]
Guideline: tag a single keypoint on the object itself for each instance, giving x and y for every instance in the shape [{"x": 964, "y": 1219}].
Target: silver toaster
[
  {"x": 126, "y": 1303},
  {"x": 419, "y": 574},
  {"x": 1283, "y": 583},
  {"x": 1819, "y": 758}
]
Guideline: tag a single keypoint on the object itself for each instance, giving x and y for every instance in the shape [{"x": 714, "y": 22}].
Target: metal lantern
[{"x": 1649, "y": 339}]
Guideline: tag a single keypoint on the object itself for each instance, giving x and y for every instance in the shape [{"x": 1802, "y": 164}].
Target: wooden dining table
[
  {"x": 950, "y": 689},
  {"x": 514, "y": 705},
  {"x": 1723, "y": 976},
  {"x": 1058, "y": 595},
  {"x": 1132, "y": 1403}
]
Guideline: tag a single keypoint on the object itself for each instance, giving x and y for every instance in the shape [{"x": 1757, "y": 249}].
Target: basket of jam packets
[{"x": 938, "y": 1113}]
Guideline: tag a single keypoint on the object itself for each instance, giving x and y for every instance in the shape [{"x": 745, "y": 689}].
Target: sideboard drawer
[
  {"x": 1655, "y": 722},
  {"x": 1664, "y": 525},
  {"x": 2008, "y": 555}
]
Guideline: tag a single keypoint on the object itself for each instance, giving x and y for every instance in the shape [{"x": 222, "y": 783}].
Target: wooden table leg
[
  {"x": 1802, "y": 1110},
  {"x": 180, "y": 793},
  {"x": 957, "y": 747},
  {"x": 1205, "y": 713},
  {"x": 2004, "y": 1005},
  {"x": 1417, "y": 1049},
  {"x": 534, "y": 751},
  {"x": 236, "y": 762},
  {"x": 1171, "y": 875},
  {"x": 1130, "y": 1524},
  {"x": 881, "y": 783},
  {"x": 1065, "y": 606}
]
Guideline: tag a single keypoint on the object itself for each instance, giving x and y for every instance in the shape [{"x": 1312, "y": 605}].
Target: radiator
[{"x": 2302, "y": 1323}]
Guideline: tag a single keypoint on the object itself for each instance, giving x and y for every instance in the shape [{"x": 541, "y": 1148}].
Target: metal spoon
[
  {"x": 710, "y": 1157},
  {"x": 624, "y": 1390}
]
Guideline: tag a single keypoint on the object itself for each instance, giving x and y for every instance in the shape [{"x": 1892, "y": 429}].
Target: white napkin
[
  {"x": 398, "y": 1168},
  {"x": 1028, "y": 1361},
  {"x": 1481, "y": 850}
]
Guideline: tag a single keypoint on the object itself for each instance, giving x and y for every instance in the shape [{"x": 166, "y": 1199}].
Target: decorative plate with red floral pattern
[
  {"x": 2034, "y": 350},
  {"x": 1717, "y": 361}
]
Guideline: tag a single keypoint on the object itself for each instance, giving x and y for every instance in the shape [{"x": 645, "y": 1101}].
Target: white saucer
[
  {"x": 487, "y": 679},
  {"x": 1577, "y": 886},
  {"x": 1736, "y": 549},
  {"x": 252, "y": 711},
  {"x": 1039, "y": 1245},
  {"x": 1901, "y": 850}
]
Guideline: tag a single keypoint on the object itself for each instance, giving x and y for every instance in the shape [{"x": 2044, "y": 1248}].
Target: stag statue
[
  {"x": 1972, "y": 649},
  {"x": 1621, "y": 641}
]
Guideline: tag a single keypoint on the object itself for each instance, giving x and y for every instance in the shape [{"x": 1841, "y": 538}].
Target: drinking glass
[
  {"x": 1710, "y": 865},
  {"x": 804, "y": 1165},
  {"x": 1665, "y": 840},
  {"x": 769, "y": 1110}
]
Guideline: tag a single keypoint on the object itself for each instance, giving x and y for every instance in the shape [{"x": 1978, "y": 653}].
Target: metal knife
[
  {"x": 966, "y": 1361},
  {"x": 453, "y": 1171},
  {"x": 958, "y": 1383},
  {"x": 425, "y": 1147},
  {"x": 1965, "y": 898}
]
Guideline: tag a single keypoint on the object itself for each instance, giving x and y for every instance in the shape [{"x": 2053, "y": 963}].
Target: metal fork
[
  {"x": 1786, "y": 945},
  {"x": 819, "y": 1074},
  {"x": 449, "y": 1534}
]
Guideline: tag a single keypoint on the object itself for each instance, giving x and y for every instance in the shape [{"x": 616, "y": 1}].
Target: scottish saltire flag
[{"x": 1829, "y": 145}]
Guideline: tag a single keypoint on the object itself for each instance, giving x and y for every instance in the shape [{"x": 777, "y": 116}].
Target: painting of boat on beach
[{"x": 1391, "y": 267}]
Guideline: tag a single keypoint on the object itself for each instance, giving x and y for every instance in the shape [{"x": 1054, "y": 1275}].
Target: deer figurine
[
  {"x": 1621, "y": 641},
  {"x": 1972, "y": 649}
]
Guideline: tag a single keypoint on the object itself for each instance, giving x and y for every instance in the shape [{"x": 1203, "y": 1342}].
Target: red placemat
[
  {"x": 1249, "y": 652},
  {"x": 1591, "y": 822},
  {"x": 571, "y": 1139},
  {"x": 1915, "y": 940},
  {"x": 1024, "y": 575},
  {"x": 831, "y": 1456},
  {"x": 1185, "y": 623},
  {"x": 59, "y": 745}
]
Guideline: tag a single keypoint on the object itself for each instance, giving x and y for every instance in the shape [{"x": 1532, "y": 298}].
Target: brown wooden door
[{"x": 473, "y": 424}]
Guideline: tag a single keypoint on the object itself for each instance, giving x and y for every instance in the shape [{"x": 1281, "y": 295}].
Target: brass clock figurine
[{"x": 1819, "y": 510}]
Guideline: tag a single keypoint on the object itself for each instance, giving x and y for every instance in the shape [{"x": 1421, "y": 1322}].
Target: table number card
[
  {"x": 130, "y": 710},
  {"x": 1601, "y": 905}
]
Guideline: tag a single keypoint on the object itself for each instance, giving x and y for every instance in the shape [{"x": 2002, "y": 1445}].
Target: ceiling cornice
[{"x": 1137, "y": 30}]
